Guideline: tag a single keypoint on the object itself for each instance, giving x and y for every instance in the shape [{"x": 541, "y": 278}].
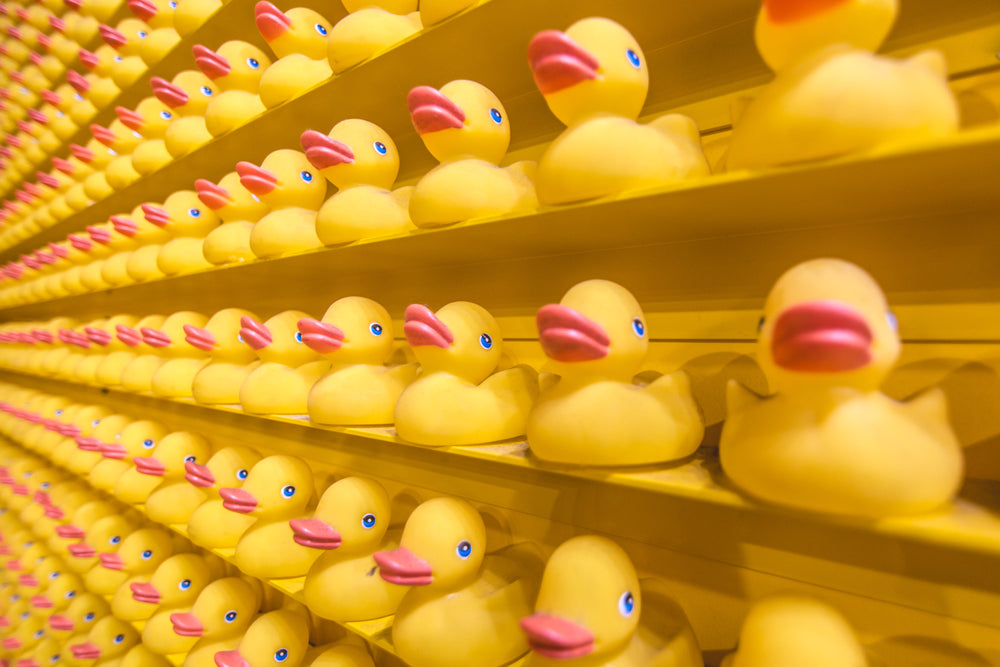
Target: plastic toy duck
[
  {"x": 299, "y": 39},
  {"x": 62, "y": 590},
  {"x": 236, "y": 68},
  {"x": 232, "y": 361},
  {"x": 174, "y": 377},
  {"x": 362, "y": 161},
  {"x": 111, "y": 372},
  {"x": 105, "y": 342},
  {"x": 172, "y": 589},
  {"x": 126, "y": 39},
  {"x": 349, "y": 526},
  {"x": 27, "y": 633},
  {"x": 371, "y": 27},
  {"x": 107, "y": 641},
  {"x": 280, "y": 385},
  {"x": 173, "y": 453},
  {"x": 828, "y": 440},
  {"x": 138, "y": 238},
  {"x": 137, "y": 558},
  {"x": 80, "y": 522},
  {"x": 219, "y": 618},
  {"x": 822, "y": 51},
  {"x": 89, "y": 444},
  {"x": 590, "y": 611},
  {"x": 81, "y": 614},
  {"x": 174, "y": 499},
  {"x": 356, "y": 336},
  {"x": 275, "y": 637},
  {"x": 188, "y": 95},
  {"x": 150, "y": 118},
  {"x": 238, "y": 209},
  {"x": 46, "y": 653},
  {"x": 185, "y": 217},
  {"x": 461, "y": 398},
  {"x": 598, "y": 340},
  {"x": 786, "y": 630},
  {"x": 594, "y": 79},
  {"x": 465, "y": 127},
  {"x": 158, "y": 15},
  {"x": 211, "y": 525},
  {"x": 119, "y": 173},
  {"x": 287, "y": 184},
  {"x": 278, "y": 490},
  {"x": 441, "y": 558},
  {"x": 136, "y": 439}
]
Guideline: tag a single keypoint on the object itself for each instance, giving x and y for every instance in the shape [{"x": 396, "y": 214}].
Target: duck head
[
  {"x": 236, "y": 65},
  {"x": 130, "y": 335},
  {"x": 141, "y": 552},
  {"x": 155, "y": 14},
  {"x": 227, "y": 468},
  {"x": 826, "y": 324},
  {"x": 221, "y": 337},
  {"x": 278, "y": 486},
  {"x": 173, "y": 454},
  {"x": 224, "y": 609},
  {"x": 117, "y": 136},
  {"x": 280, "y": 637},
  {"x": 108, "y": 639},
  {"x": 284, "y": 179},
  {"x": 177, "y": 582},
  {"x": 126, "y": 37},
  {"x": 355, "y": 152},
  {"x": 106, "y": 336},
  {"x": 105, "y": 536},
  {"x": 169, "y": 339},
  {"x": 278, "y": 340},
  {"x": 229, "y": 199},
  {"x": 28, "y": 631},
  {"x": 139, "y": 438},
  {"x": 62, "y": 591},
  {"x": 150, "y": 118},
  {"x": 45, "y": 654},
  {"x": 443, "y": 545},
  {"x": 463, "y": 119},
  {"x": 354, "y": 330},
  {"x": 352, "y": 515},
  {"x": 299, "y": 30},
  {"x": 187, "y": 94},
  {"x": 461, "y": 338},
  {"x": 789, "y": 30},
  {"x": 182, "y": 214},
  {"x": 81, "y": 614}
]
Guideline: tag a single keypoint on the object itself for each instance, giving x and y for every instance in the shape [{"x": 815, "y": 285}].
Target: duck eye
[
  {"x": 190, "y": 459},
  {"x": 298, "y": 336},
  {"x": 282, "y": 653},
  {"x": 486, "y": 341},
  {"x": 166, "y": 115},
  {"x": 306, "y": 176},
  {"x": 633, "y": 58},
  {"x": 24, "y": 615},
  {"x": 380, "y": 148},
  {"x": 58, "y": 412},
  {"x": 117, "y": 59},
  {"x": 148, "y": 443},
  {"x": 288, "y": 491},
  {"x": 368, "y": 520},
  {"x": 119, "y": 639},
  {"x": 45, "y": 485},
  {"x": 89, "y": 617},
  {"x": 253, "y": 62},
  {"x": 78, "y": 97},
  {"x": 184, "y": 585},
  {"x": 39, "y": 633},
  {"x": 147, "y": 554},
  {"x": 54, "y": 658},
  {"x": 172, "y": 4},
  {"x": 626, "y": 604},
  {"x": 760, "y": 324},
  {"x": 95, "y": 423},
  {"x": 891, "y": 319},
  {"x": 638, "y": 327},
  {"x": 464, "y": 549},
  {"x": 375, "y": 328},
  {"x": 54, "y": 575},
  {"x": 112, "y": 151},
  {"x": 242, "y": 473},
  {"x": 142, "y": 34},
  {"x": 115, "y": 540},
  {"x": 206, "y": 91},
  {"x": 496, "y": 116},
  {"x": 321, "y": 29},
  {"x": 230, "y": 616},
  {"x": 194, "y": 212},
  {"x": 70, "y": 595}
]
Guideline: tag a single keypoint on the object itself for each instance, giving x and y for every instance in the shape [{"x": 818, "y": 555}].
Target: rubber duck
[
  {"x": 219, "y": 618},
  {"x": 299, "y": 39},
  {"x": 288, "y": 369},
  {"x": 131, "y": 233},
  {"x": 173, "y": 501},
  {"x": 823, "y": 52},
  {"x": 238, "y": 209},
  {"x": 464, "y": 125},
  {"x": 362, "y": 161},
  {"x": 287, "y": 184},
  {"x": 786, "y": 630},
  {"x": 105, "y": 340},
  {"x": 119, "y": 173},
  {"x": 594, "y": 79},
  {"x": 138, "y": 556},
  {"x": 46, "y": 653},
  {"x": 173, "y": 589},
  {"x": 81, "y": 614},
  {"x": 597, "y": 336},
  {"x": 105, "y": 534},
  {"x": 188, "y": 95},
  {"x": 150, "y": 118},
  {"x": 441, "y": 558},
  {"x": 141, "y": 359},
  {"x": 232, "y": 360},
  {"x": 348, "y": 527},
  {"x": 345, "y": 653},
  {"x": 211, "y": 525},
  {"x": 136, "y": 439},
  {"x": 173, "y": 454},
  {"x": 75, "y": 530},
  {"x": 158, "y": 15},
  {"x": 371, "y": 27},
  {"x": 277, "y": 490},
  {"x": 108, "y": 640},
  {"x": 174, "y": 377},
  {"x": 90, "y": 442},
  {"x": 236, "y": 68},
  {"x": 27, "y": 633},
  {"x": 280, "y": 636},
  {"x": 461, "y": 398},
  {"x": 189, "y": 15},
  {"x": 356, "y": 336},
  {"x": 188, "y": 220},
  {"x": 827, "y": 341},
  {"x": 126, "y": 38},
  {"x": 607, "y": 621},
  {"x": 62, "y": 590}
]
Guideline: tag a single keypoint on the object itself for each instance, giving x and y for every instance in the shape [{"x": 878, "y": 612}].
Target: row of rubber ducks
[
  {"x": 593, "y": 77},
  {"x": 827, "y": 341},
  {"x": 454, "y": 601}
]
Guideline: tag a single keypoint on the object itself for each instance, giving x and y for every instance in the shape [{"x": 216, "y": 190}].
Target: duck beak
[
  {"x": 87, "y": 651},
  {"x": 323, "y": 151},
  {"x": 255, "y": 334},
  {"x": 81, "y": 153},
  {"x": 99, "y": 235},
  {"x": 11, "y": 643},
  {"x": 53, "y": 512},
  {"x": 27, "y": 662},
  {"x": 187, "y": 625},
  {"x": 143, "y": 591},
  {"x": 20, "y": 490},
  {"x": 198, "y": 475},
  {"x": 155, "y": 337},
  {"x": 211, "y": 195},
  {"x": 70, "y": 532},
  {"x": 271, "y": 21},
  {"x": 89, "y": 59},
  {"x": 38, "y": 116},
  {"x": 821, "y": 337},
  {"x": 111, "y": 561},
  {"x": 129, "y": 118},
  {"x": 124, "y": 226},
  {"x": 568, "y": 336},
  {"x": 112, "y": 37},
  {"x": 98, "y": 336},
  {"x": 256, "y": 179},
  {"x": 104, "y": 135},
  {"x": 144, "y": 9},
  {"x": 156, "y": 215},
  {"x": 404, "y": 568},
  {"x": 210, "y": 63},
  {"x": 61, "y": 623},
  {"x": 557, "y": 638},
  {"x": 64, "y": 166},
  {"x": 171, "y": 95},
  {"x": 81, "y": 550},
  {"x": 41, "y": 602},
  {"x": 28, "y": 580},
  {"x": 431, "y": 111},
  {"x": 128, "y": 335},
  {"x": 238, "y": 500},
  {"x": 78, "y": 82},
  {"x": 113, "y": 450},
  {"x": 148, "y": 465},
  {"x": 230, "y": 659},
  {"x": 199, "y": 337},
  {"x": 423, "y": 327},
  {"x": 321, "y": 337},
  {"x": 87, "y": 444},
  {"x": 47, "y": 180},
  {"x": 557, "y": 62},
  {"x": 57, "y": 23},
  {"x": 81, "y": 243},
  {"x": 315, "y": 534}
]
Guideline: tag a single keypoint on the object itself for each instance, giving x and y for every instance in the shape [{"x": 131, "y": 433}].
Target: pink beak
[
  {"x": 199, "y": 337},
  {"x": 404, "y": 568},
  {"x": 271, "y": 21},
  {"x": 315, "y": 534},
  {"x": 431, "y": 111},
  {"x": 319, "y": 336},
  {"x": 323, "y": 151},
  {"x": 255, "y": 334},
  {"x": 171, "y": 95},
  {"x": 256, "y": 179},
  {"x": 129, "y": 118},
  {"x": 144, "y": 9},
  {"x": 212, "y": 195},
  {"x": 210, "y": 63},
  {"x": 238, "y": 500},
  {"x": 155, "y": 337},
  {"x": 557, "y": 62},
  {"x": 198, "y": 475},
  {"x": 112, "y": 37},
  {"x": 156, "y": 215},
  {"x": 423, "y": 327}
]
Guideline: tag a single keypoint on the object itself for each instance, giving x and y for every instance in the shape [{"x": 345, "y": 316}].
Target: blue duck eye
[
  {"x": 496, "y": 116},
  {"x": 24, "y": 615},
  {"x": 45, "y": 485},
  {"x": 194, "y": 212},
  {"x": 89, "y": 617},
  {"x": 306, "y": 176},
  {"x": 78, "y": 97},
  {"x": 626, "y": 604},
  {"x": 638, "y": 327},
  {"x": 184, "y": 585},
  {"x": 298, "y": 336},
  {"x": 206, "y": 91},
  {"x": 230, "y": 616},
  {"x": 368, "y": 520},
  {"x": 117, "y": 59},
  {"x": 119, "y": 639},
  {"x": 375, "y": 328},
  {"x": 54, "y": 575},
  {"x": 242, "y": 473},
  {"x": 190, "y": 459},
  {"x": 142, "y": 34},
  {"x": 633, "y": 58},
  {"x": 147, "y": 554},
  {"x": 115, "y": 540},
  {"x": 320, "y": 29},
  {"x": 55, "y": 658},
  {"x": 281, "y": 655},
  {"x": 70, "y": 595},
  {"x": 288, "y": 491},
  {"x": 253, "y": 62},
  {"x": 95, "y": 423},
  {"x": 58, "y": 412},
  {"x": 39, "y": 633},
  {"x": 166, "y": 115},
  {"x": 172, "y": 4},
  {"x": 486, "y": 341},
  {"x": 380, "y": 148},
  {"x": 891, "y": 319},
  {"x": 148, "y": 443},
  {"x": 464, "y": 549}
]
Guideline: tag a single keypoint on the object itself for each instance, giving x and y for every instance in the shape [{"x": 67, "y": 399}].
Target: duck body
[
  {"x": 366, "y": 32},
  {"x": 359, "y": 394},
  {"x": 471, "y": 188},
  {"x": 363, "y": 211},
  {"x": 212, "y": 526},
  {"x": 239, "y": 210},
  {"x": 285, "y": 231},
  {"x": 364, "y": 596},
  {"x": 291, "y": 76}
]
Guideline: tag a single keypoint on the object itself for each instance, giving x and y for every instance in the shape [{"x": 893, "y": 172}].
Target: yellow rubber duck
[
  {"x": 594, "y": 79},
  {"x": 278, "y": 490},
  {"x": 238, "y": 209},
  {"x": 464, "y": 125},
  {"x": 139, "y": 556},
  {"x": 299, "y": 39},
  {"x": 107, "y": 641},
  {"x": 173, "y": 589},
  {"x": 822, "y": 52},
  {"x": 288, "y": 370},
  {"x": 188, "y": 95},
  {"x": 173, "y": 453},
  {"x": 348, "y": 527},
  {"x": 231, "y": 359},
  {"x": 442, "y": 559},
  {"x": 356, "y": 336},
  {"x": 182, "y": 361},
  {"x": 189, "y": 15},
  {"x": 786, "y": 630},
  {"x": 119, "y": 173},
  {"x": 280, "y": 637},
  {"x": 362, "y": 161},
  {"x": 62, "y": 590},
  {"x": 162, "y": 38},
  {"x": 289, "y": 186},
  {"x": 219, "y": 618},
  {"x": 84, "y": 424},
  {"x": 188, "y": 220},
  {"x": 103, "y": 340},
  {"x": 126, "y": 38},
  {"x": 150, "y": 118},
  {"x": 80, "y": 616},
  {"x": 90, "y": 443},
  {"x": 112, "y": 370},
  {"x": 236, "y": 68},
  {"x": 106, "y": 534},
  {"x": 137, "y": 439},
  {"x": 461, "y": 398},
  {"x": 137, "y": 240},
  {"x": 371, "y": 26},
  {"x": 173, "y": 500},
  {"x": 828, "y": 440},
  {"x": 28, "y": 632},
  {"x": 597, "y": 337},
  {"x": 590, "y": 611},
  {"x": 47, "y": 652},
  {"x": 211, "y": 525}
]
